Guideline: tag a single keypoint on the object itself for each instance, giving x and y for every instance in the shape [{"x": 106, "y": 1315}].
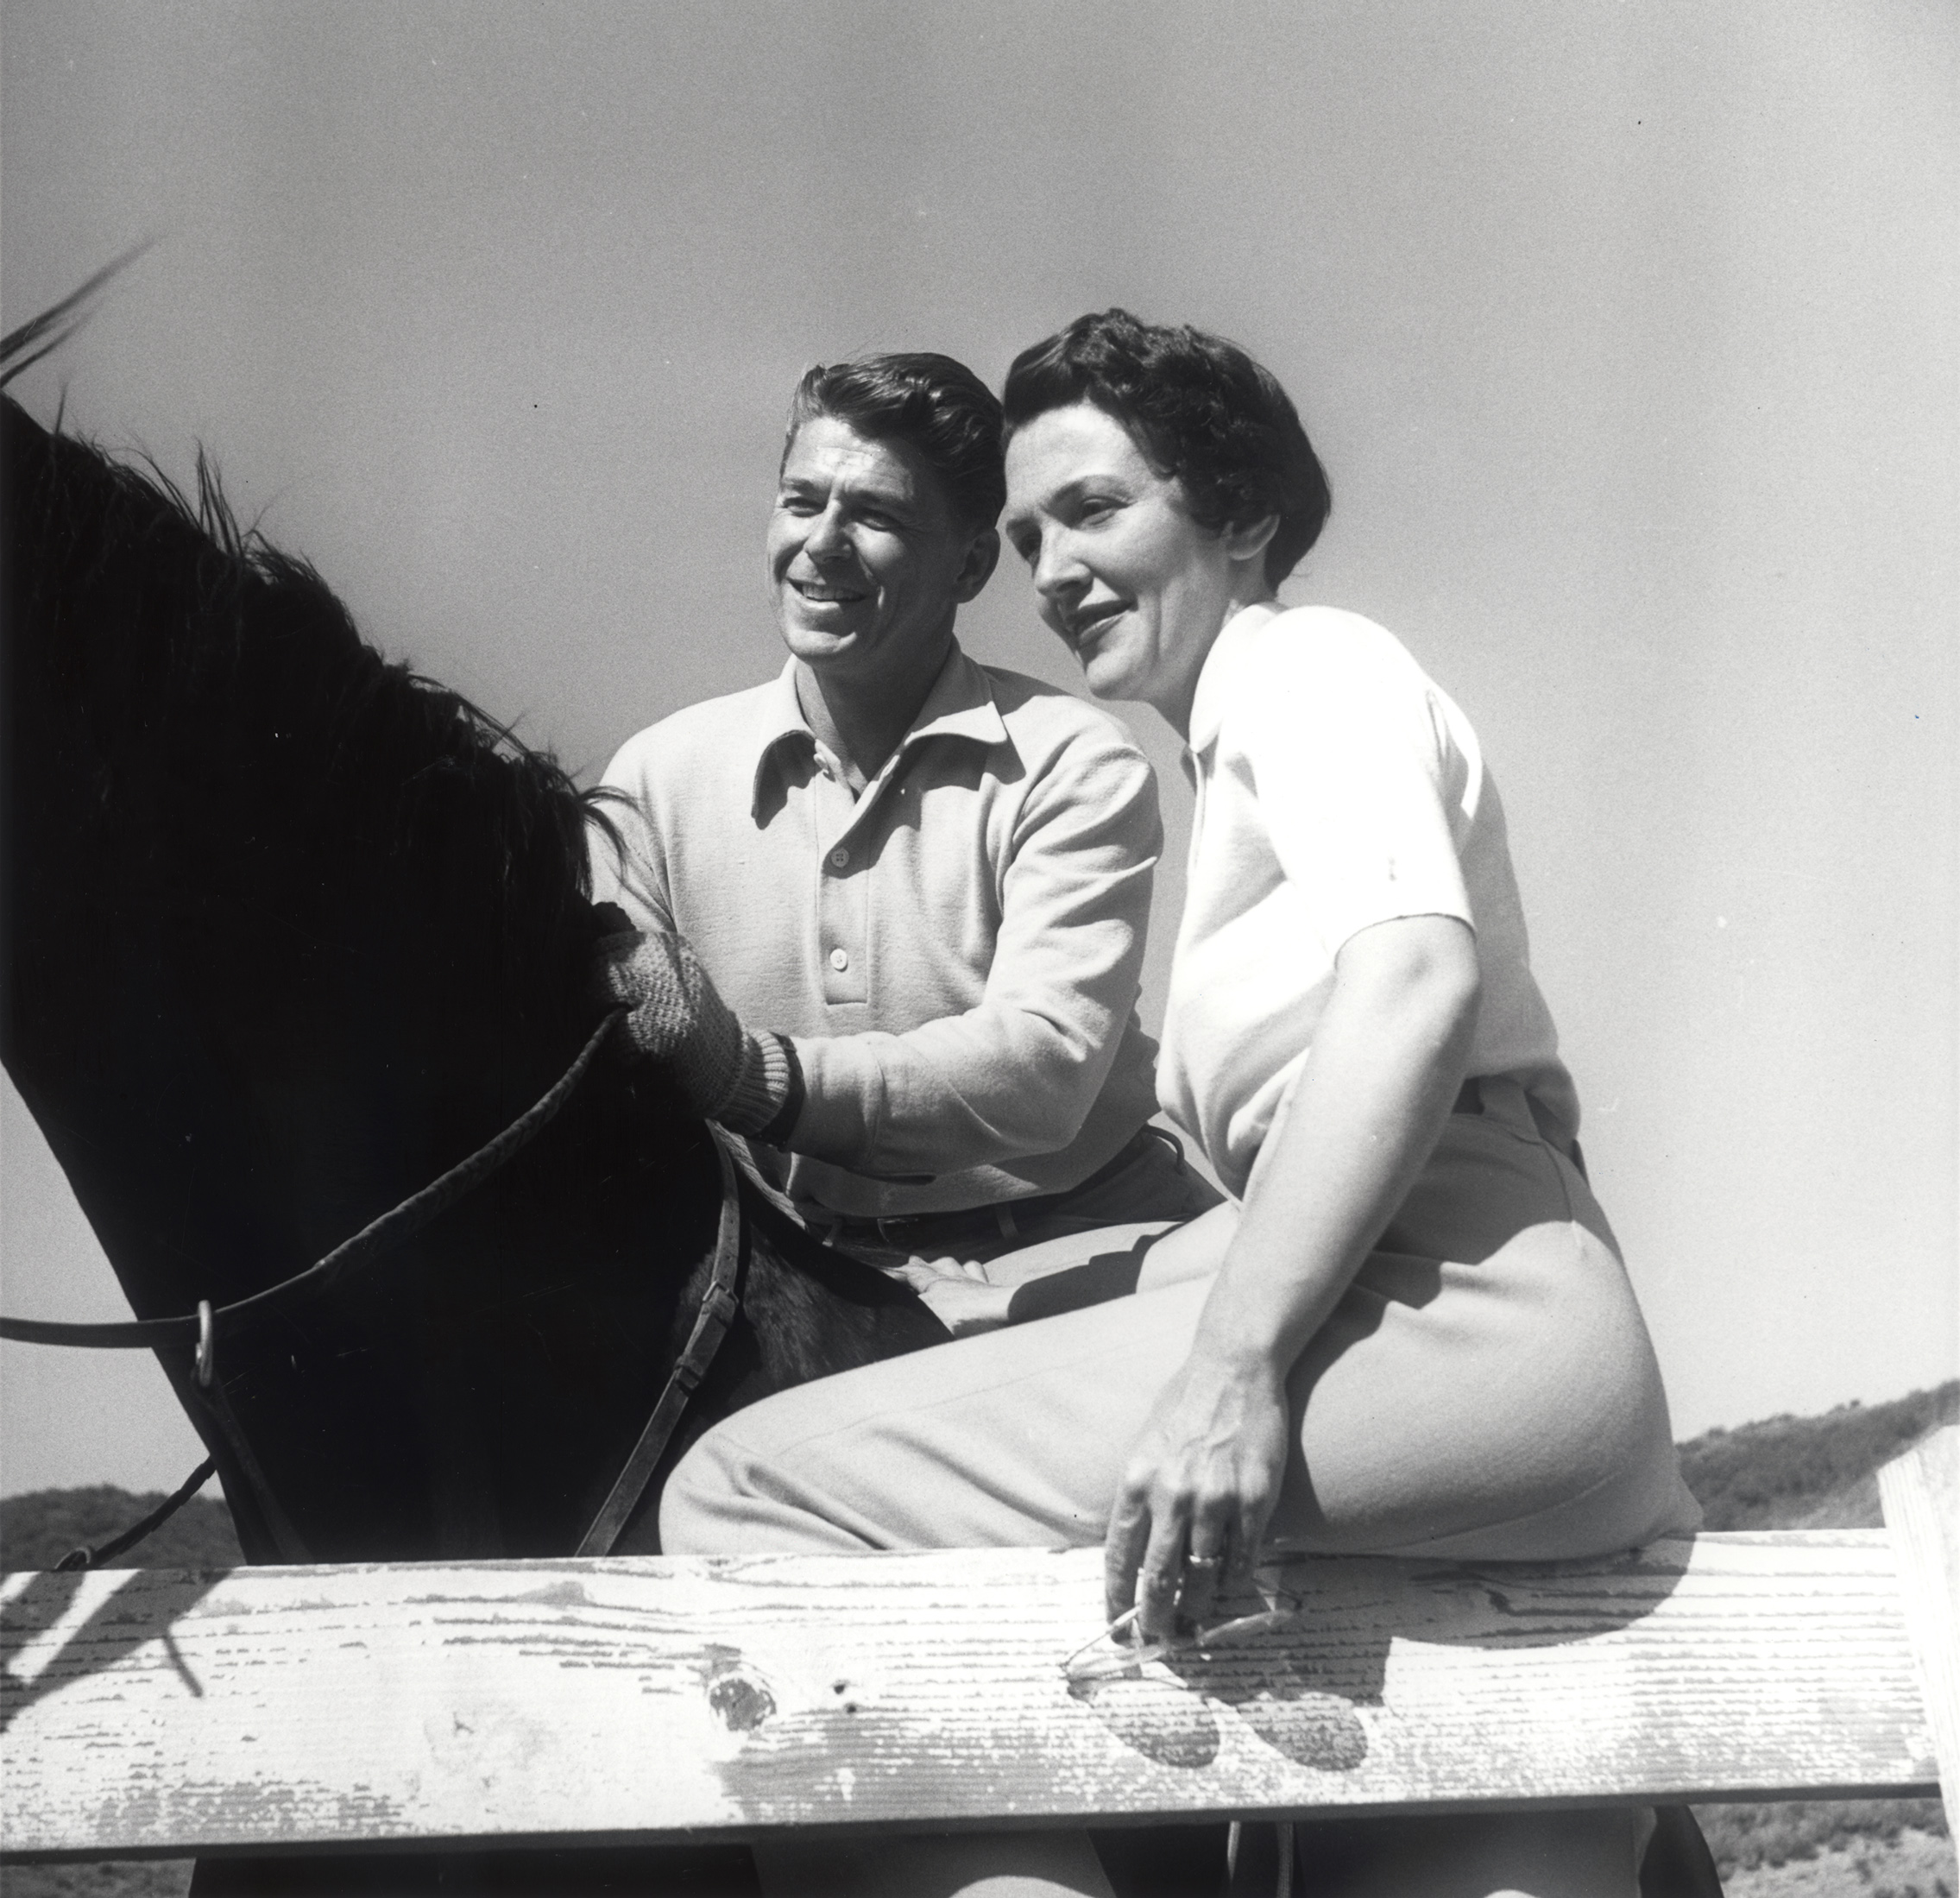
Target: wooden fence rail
[{"x": 150, "y": 1713}]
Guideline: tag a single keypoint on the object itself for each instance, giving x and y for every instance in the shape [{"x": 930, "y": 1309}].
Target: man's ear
[
  {"x": 1249, "y": 540},
  {"x": 983, "y": 554}
]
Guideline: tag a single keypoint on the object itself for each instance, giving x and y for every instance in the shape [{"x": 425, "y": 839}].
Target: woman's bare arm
[{"x": 1388, "y": 1059}]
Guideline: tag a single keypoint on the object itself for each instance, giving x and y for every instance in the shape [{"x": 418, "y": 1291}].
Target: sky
[{"x": 1626, "y": 330}]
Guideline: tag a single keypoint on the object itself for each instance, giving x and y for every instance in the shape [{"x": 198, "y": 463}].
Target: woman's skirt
[{"x": 1485, "y": 1389}]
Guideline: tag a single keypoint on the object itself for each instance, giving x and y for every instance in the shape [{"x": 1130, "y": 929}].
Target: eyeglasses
[{"x": 1118, "y": 1657}]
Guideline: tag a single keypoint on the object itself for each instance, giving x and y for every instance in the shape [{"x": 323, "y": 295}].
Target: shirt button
[
  {"x": 839, "y": 858},
  {"x": 840, "y": 960}
]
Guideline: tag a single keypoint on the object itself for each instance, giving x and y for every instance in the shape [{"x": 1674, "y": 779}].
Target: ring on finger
[{"x": 1204, "y": 1562}]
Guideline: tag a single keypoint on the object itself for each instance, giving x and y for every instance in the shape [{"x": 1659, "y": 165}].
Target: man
[{"x": 893, "y": 903}]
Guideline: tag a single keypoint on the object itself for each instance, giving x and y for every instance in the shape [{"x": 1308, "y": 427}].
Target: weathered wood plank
[
  {"x": 606, "y": 1701},
  {"x": 1921, "y": 1494}
]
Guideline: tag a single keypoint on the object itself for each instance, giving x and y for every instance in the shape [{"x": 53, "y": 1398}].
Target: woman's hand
[
  {"x": 958, "y": 1293},
  {"x": 1198, "y": 1492}
]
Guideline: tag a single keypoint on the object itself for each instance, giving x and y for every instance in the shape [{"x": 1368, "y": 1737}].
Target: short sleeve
[{"x": 1359, "y": 779}]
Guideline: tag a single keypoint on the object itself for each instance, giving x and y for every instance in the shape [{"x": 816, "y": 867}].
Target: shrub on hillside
[
  {"x": 37, "y": 1530},
  {"x": 1745, "y": 1836},
  {"x": 1807, "y": 1472}
]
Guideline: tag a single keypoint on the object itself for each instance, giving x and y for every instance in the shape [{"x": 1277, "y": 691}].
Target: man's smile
[{"x": 826, "y": 592}]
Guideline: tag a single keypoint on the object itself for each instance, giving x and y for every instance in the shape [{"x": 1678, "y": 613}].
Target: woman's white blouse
[{"x": 1337, "y": 787}]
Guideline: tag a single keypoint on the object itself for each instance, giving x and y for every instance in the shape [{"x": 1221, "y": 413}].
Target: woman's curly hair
[{"x": 1200, "y": 407}]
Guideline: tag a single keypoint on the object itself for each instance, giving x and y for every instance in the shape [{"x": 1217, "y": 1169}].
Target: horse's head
[{"x": 287, "y": 932}]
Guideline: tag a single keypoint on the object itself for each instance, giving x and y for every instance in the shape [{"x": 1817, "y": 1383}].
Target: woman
[{"x": 1410, "y": 1332}]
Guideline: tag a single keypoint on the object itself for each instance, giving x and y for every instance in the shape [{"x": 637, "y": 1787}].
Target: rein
[
  {"x": 199, "y": 1327},
  {"x": 720, "y": 1304}
]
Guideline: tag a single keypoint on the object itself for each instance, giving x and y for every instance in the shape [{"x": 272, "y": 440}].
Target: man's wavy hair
[
  {"x": 933, "y": 404},
  {"x": 1200, "y": 408}
]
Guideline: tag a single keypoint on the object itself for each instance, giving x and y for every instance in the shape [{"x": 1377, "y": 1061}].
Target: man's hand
[
  {"x": 958, "y": 1294},
  {"x": 674, "y": 1015}
]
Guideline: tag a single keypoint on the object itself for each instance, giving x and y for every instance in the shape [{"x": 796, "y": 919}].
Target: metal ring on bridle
[
  {"x": 207, "y": 1345},
  {"x": 374, "y": 1238}
]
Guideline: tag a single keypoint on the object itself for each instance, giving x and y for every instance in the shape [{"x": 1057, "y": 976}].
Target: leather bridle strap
[
  {"x": 390, "y": 1229},
  {"x": 718, "y": 1308}
]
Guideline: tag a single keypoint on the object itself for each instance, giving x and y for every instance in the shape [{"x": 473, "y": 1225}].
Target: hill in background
[
  {"x": 1810, "y": 1472},
  {"x": 37, "y": 1530}
]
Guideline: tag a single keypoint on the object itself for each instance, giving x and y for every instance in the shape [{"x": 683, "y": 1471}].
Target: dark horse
[{"x": 287, "y": 932}]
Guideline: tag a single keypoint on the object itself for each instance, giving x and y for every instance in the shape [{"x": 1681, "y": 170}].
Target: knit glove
[{"x": 753, "y": 1084}]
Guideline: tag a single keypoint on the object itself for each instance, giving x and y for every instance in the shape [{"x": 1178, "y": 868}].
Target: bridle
[
  {"x": 718, "y": 1305},
  {"x": 199, "y": 1329}
]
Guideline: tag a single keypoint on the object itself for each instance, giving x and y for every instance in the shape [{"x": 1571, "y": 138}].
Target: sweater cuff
[
  {"x": 768, "y": 1092},
  {"x": 783, "y": 1123}
]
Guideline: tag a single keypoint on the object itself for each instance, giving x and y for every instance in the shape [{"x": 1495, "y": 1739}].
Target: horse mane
[
  {"x": 243, "y": 614},
  {"x": 248, "y": 611}
]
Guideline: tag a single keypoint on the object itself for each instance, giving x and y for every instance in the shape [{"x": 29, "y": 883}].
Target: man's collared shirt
[{"x": 955, "y": 951}]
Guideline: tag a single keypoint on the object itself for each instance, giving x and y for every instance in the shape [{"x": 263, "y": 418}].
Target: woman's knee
[
  {"x": 704, "y": 1495},
  {"x": 728, "y": 1497}
]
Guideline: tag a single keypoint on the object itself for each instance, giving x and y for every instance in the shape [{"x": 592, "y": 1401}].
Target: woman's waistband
[{"x": 1501, "y": 1097}]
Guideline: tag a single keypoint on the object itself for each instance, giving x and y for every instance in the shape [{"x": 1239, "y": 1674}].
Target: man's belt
[{"x": 1001, "y": 1217}]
